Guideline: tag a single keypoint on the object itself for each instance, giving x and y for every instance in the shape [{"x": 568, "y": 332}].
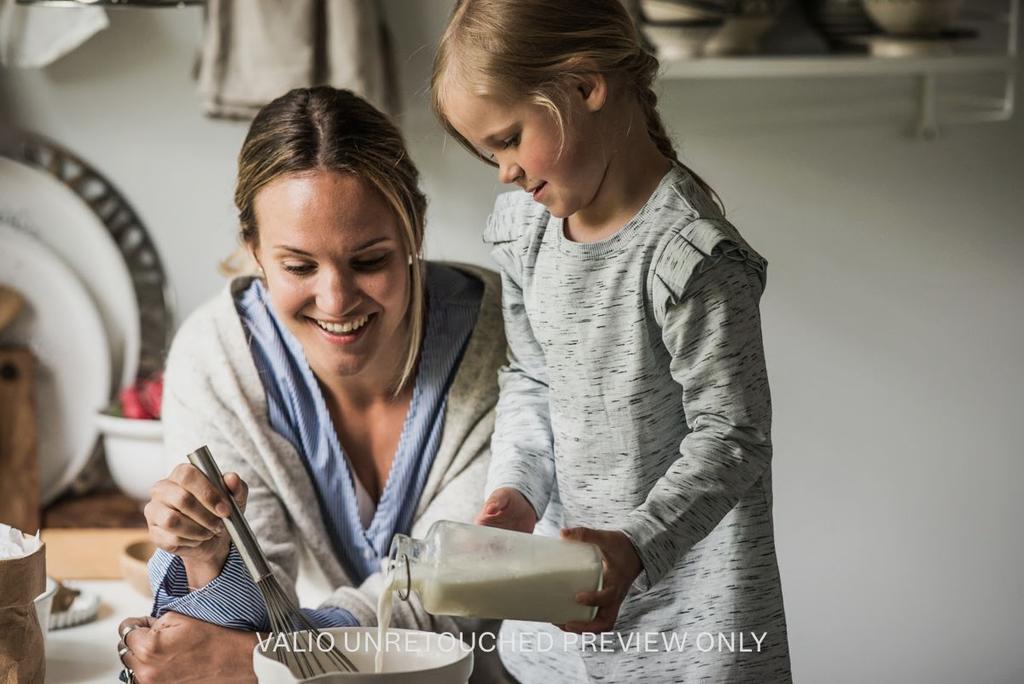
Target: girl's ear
[{"x": 593, "y": 88}]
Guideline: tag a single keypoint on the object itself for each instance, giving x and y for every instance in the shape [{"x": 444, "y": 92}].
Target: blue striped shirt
[{"x": 298, "y": 412}]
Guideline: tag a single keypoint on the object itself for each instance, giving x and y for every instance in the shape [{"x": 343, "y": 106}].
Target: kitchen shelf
[
  {"x": 829, "y": 65},
  {"x": 958, "y": 108}
]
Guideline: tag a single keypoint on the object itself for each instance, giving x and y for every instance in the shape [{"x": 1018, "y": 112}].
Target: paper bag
[{"x": 22, "y": 659}]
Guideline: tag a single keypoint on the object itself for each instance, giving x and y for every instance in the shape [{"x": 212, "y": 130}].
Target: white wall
[{"x": 893, "y": 317}]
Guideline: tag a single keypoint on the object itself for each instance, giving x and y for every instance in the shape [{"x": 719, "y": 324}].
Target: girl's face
[
  {"x": 336, "y": 272},
  {"x": 524, "y": 140}
]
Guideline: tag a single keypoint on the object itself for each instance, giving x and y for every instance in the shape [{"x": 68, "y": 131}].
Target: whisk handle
[{"x": 236, "y": 524}]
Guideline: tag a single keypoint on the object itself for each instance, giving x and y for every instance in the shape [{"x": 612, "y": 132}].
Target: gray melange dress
[{"x": 636, "y": 393}]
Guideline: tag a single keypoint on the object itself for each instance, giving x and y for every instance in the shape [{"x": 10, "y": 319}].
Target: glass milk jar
[{"x": 486, "y": 572}]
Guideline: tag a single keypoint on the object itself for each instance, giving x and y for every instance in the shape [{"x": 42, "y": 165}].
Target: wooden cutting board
[
  {"x": 88, "y": 553},
  {"x": 19, "y": 470}
]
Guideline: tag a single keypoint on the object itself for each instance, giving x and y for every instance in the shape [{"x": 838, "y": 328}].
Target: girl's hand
[
  {"x": 176, "y": 648},
  {"x": 622, "y": 565},
  {"x": 184, "y": 516},
  {"x": 508, "y": 509}
]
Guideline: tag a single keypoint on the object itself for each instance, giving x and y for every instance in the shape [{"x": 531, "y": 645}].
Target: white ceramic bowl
[
  {"x": 740, "y": 35},
  {"x": 134, "y": 451},
  {"x": 44, "y": 604},
  {"x": 683, "y": 40},
  {"x": 912, "y": 17},
  {"x": 413, "y": 657},
  {"x": 669, "y": 10}
]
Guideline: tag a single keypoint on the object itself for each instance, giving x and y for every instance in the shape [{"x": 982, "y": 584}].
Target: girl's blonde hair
[
  {"x": 535, "y": 50},
  {"x": 325, "y": 129}
]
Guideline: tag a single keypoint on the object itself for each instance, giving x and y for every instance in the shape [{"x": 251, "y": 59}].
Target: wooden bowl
[{"x": 134, "y": 567}]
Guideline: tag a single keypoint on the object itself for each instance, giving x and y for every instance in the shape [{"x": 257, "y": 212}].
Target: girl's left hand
[
  {"x": 176, "y": 648},
  {"x": 622, "y": 565}
]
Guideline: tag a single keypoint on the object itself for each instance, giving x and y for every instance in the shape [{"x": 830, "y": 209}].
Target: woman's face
[{"x": 337, "y": 273}]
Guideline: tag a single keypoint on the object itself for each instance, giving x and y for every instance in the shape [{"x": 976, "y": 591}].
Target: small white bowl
[
  {"x": 134, "y": 450},
  {"x": 681, "y": 40},
  {"x": 913, "y": 17},
  {"x": 414, "y": 657},
  {"x": 740, "y": 35},
  {"x": 668, "y": 10},
  {"x": 44, "y": 604}
]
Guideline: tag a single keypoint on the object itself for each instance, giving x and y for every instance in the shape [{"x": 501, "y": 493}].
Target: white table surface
[{"x": 87, "y": 654}]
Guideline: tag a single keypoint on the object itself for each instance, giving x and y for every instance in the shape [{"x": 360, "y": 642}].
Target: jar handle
[{"x": 408, "y": 580}]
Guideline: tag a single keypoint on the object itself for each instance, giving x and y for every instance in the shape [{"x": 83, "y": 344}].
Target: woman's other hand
[
  {"x": 508, "y": 509},
  {"x": 622, "y": 566},
  {"x": 175, "y": 648},
  {"x": 185, "y": 515}
]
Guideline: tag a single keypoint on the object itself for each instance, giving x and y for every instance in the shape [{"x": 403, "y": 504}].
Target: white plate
[
  {"x": 62, "y": 326},
  {"x": 41, "y": 205}
]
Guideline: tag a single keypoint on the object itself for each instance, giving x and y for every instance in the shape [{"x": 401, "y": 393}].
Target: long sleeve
[
  {"x": 711, "y": 326},
  {"x": 523, "y": 454},
  {"x": 522, "y": 447},
  {"x": 231, "y": 599}
]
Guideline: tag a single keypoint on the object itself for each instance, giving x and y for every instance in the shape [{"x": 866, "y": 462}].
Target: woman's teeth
[{"x": 343, "y": 328}]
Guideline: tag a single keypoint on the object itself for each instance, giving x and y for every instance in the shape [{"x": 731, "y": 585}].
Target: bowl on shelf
[
  {"x": 134, "y": 566},
  {"x": 681, "y": 39},
  {"x": 912, "y": 17},
  {"x": 662, "y": 11},
  {"x": 134, "y": 450},
  {"x": 837, "y": 20},
  {"x": 739, "y": 35}
]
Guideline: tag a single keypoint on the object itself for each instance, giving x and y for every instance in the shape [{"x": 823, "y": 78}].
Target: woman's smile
[{"x": 344, "y": 333}]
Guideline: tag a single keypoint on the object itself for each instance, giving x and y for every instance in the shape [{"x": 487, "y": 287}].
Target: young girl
[{"x": 636, "y": 377}]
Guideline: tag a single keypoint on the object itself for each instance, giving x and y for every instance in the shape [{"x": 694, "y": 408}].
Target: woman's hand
[
  {"x": 176, "y": 648},
  {"x": 622, "y": 566},
  {"x": 508, "y": 509},
  {"x": 184, "y": 516}
]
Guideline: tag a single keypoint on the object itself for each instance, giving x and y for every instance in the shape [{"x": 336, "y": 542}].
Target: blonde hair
[
  {"x": 534, "y": 50},
  {"x": 325, "y": 129}
]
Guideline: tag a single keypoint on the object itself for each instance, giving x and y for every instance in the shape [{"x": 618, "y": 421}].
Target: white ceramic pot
[
  {"x": 412, "y": 657},
  {"x": 134, "y": 450},
  {"x": 44, "y": 604}
]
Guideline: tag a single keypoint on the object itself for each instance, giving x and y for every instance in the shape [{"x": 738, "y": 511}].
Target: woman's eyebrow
[
  {"x": 372, "y": 242},
  {"x": 294, "y": 250},
  {"x": 369, "y": 243}
]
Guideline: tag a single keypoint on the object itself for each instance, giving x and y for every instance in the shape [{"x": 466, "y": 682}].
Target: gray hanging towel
[{"x": 256, "y": 50}]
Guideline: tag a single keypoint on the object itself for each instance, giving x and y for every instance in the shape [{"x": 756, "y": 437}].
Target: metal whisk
[{"x": 285, "y": 616}]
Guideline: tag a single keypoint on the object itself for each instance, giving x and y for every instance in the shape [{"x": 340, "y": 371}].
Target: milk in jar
[{"x": 485, "y": 572}]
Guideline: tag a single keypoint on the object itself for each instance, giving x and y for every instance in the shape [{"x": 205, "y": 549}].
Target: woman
[{"x": 350, "y": 388}]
